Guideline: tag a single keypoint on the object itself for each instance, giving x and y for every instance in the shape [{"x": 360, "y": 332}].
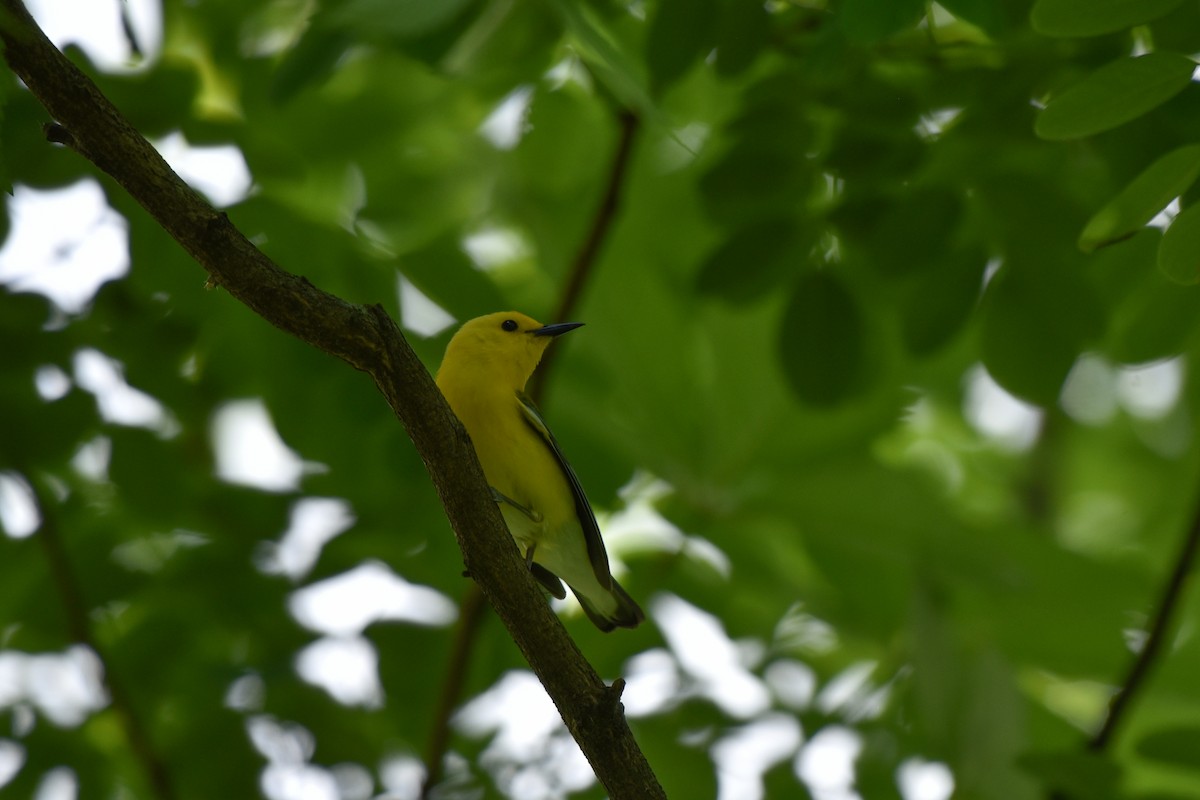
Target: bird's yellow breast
[{"x": 516, "y": 461}]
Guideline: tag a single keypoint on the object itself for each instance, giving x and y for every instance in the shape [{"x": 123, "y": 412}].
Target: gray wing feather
[{"x": 583, "y": 509}]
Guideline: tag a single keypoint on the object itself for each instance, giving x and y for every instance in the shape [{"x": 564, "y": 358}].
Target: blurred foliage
[{"x": 836, "y": 214}]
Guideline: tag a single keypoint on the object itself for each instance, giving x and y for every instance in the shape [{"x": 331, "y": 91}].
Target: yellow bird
[{"x": 483, "y": 377}]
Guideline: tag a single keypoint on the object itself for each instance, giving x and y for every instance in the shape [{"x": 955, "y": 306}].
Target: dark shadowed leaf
[
  {"x": 1150, "y": 316},
  {"x": 1179, "y": 30},
  {"x": 310, "y": 62},
  {"x": 870, "y": 20},
  {"x": 1081, "y": 774},
  {"x": 940, "y": 303},
  {"x": 462, "y": 290},
  {"x": 1176, "y": 746},
  {"x": 1088, "y": 18},
  {"x": 821, "y": 340},
  {"x": 987, "y": 14},
  {"x": 905, "y": 232},
  {"x": 754, "y": 260},
  {"x": 681, "y": 32},
  {"x": 401, "y": 19},
  {"x": 5, "y": 182},
  {"x": 1179, "y": 253},
  {"x": 1036, "y": 322},
  {"x": 749, "y": 181},
  {"x": 155, "y": 101},
  {"x": 623, "y": 75},
  {"x": 740, "y": 36}
]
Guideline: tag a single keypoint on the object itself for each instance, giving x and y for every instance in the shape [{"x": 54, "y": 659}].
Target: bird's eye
[{"x": 509, "y": 325}]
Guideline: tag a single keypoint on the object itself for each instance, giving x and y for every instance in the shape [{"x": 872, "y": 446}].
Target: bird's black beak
[{"x": 557, "y": 329}]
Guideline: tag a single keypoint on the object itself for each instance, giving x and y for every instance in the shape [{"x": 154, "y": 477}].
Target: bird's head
[{"x": 502, "y": 347}]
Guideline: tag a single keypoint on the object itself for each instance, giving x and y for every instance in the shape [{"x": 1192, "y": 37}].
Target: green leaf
[
  {"x": 991, "y": 728},
  {"x": 1113, "y": 95},
  {"x": 821, "y": 341},
  {"x": 770, "y": 119},
  {"x": 1178, "y": 31},
  {"x": 445, "y": 274},
  {"x": 867, "y": 21},
  {"x": 753, "y": 261},
  {"x": 1150, "y": 317},
  {"x": 310, "y": 62},
  {"x": 875, "y": 769},
  {"x": 938, "y": 675},
  {"x": 750, "y": 182},
  {"x": 986, "y": 14},
  {"x": 158, "y": 481},
  {"x": 1095, "y": 17},
  {"x": 904, "y": 232},
  {"x": 1077, "y": 773},
  {"x": 621, "y": 74},
  {"x": 830, "y": 513},
  {"x": 157, "y": 102},
  {"x": 940, "y": 303},
  {"x": 921, "y": 225},
  {"x": 6, "y": 88},
  {"x": 1144, "y": 197},
  {"x": 1177, "y": 746},
  {"x": 1038, "y": 316},
  {"x": 500, "y": 54},
  {"x": 563, "y": 124},
  {"x": 680, "y": 33},
  {"x": 402, "y": 19},
  {"x": 1179, "y": 253},
  {"x": 741, "y": 36},
  {"x": 1159, "y": 323}
]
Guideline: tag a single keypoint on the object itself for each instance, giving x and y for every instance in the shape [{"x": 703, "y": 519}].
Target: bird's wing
[{"x": 583, "y": 509}]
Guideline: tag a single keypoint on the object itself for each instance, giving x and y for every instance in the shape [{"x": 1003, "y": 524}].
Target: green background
[{"x": 834, "y": 213}]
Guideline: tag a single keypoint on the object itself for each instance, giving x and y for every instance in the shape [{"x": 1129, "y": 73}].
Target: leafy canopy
[{"x": 851, "y": 235}]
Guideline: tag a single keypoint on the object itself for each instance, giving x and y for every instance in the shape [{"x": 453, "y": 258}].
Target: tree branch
[
  {"x": 589, "y": 252},
  {"x": 80, "y": 630},
  {"x": 466, "y": 633},
  {"x": 472, "y": 608},
  {"x": 1143, "y": 662},
  {"x": 369, "y": 340},
  {"x": 1160, "y": 626}
]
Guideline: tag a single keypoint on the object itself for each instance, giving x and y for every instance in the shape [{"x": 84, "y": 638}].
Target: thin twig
[
  {"x": 1156, "y": 639},
  {"x": 473, "y": 608},
  {"x": 1139, "y": 669},
  {"x": 135, "y": 47},
  {"x": 470, "y": 614},
  {"x": 589, "y": 252},
  {"x": 80, "y": 630}
]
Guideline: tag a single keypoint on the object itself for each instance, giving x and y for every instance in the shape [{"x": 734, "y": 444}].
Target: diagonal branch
[
  {"x": 1152, "y": 648},
  {"x": 466, "y": 633},
  {"x": 1156, "y": 638},
  {"x": 602, "y": 220},
  {"x": 472, "y": 608},
  {"x": 589, "y": 252},
  {"x": 369, "y": 340},
  {"x": 80, "y": 629}
]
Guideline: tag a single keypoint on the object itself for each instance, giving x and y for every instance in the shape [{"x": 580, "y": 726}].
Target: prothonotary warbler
[{"x": 483, "y": 377}]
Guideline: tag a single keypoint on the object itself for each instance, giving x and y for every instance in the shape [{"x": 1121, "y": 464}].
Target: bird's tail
[{"x": 615, "y": 609}]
